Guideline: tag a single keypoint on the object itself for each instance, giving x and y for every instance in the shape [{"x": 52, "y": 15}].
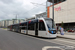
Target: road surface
[{"x": 16, "y": 41}]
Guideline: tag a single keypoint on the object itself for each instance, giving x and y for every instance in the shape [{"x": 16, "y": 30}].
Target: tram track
[
  {"x": 61, "y": 41},
  {"x": 66, "y": 42}
]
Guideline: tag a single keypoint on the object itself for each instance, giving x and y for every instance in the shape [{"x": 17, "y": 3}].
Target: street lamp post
[
  {"x": 16, "y": 18},
  {"x": 27, "y": 26},
  {"x": 53, "y": 12},
  {"x": 46, "y": 8},
  {"x": 53, "y": 9}
]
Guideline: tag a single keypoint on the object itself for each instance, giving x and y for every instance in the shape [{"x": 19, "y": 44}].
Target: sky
[{"x": 9, "y": 9}]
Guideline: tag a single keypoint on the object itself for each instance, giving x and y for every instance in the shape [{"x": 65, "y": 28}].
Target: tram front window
[{"x": 49, "y": 24}]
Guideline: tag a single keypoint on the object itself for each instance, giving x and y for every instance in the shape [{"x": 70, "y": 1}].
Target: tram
[{"x": 42, "y": 27}]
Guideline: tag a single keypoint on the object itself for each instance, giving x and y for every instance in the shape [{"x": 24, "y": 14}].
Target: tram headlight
[{"x": 53, "y": 31}]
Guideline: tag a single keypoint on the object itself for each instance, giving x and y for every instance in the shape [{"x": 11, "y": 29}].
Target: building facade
[
  {"x": 64, "y": 12},
  {"x": 5, "y": 23}
]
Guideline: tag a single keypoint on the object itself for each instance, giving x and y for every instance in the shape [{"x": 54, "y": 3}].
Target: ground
[{"x": 16, "y": 41}]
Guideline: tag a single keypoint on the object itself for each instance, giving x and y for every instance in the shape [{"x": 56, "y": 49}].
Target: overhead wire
[{"x": 33, "y": 7}]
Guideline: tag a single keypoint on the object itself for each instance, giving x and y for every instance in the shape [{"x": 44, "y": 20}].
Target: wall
[{"x": 65, "y": 12}]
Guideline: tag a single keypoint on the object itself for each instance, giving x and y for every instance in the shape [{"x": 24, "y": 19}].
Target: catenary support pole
[{"x": 53, "y": 12}]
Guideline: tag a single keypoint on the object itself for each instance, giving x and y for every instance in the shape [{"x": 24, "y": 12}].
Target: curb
[{"x": 65, "y": 37}]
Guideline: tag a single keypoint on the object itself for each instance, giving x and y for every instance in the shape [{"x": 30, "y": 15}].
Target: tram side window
[
  {"x": 17, "y": 27},
  {"x": 23, "y": 28},
  {"x": 14, "y": 27},
  {"x": 31, "y": 27},
  {"x": 42, "y": 26}
]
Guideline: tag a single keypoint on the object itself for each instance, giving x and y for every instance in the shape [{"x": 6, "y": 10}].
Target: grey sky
[{"x": 23, "y": 8}]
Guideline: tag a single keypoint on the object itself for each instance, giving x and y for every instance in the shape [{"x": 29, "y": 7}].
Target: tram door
[{"x": 36, "y": 29}]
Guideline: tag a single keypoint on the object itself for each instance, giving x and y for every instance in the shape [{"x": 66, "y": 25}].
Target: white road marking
[
  {"x": 48, "y": 47},
  {"x": 66, "y": 41}
]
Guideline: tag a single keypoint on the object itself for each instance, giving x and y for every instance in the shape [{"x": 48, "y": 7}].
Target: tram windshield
[{"x": 49, "y": 23}]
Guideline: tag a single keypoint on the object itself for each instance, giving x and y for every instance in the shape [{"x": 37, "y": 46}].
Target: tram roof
[
  {"x": 16, "y": 24},
  {"x": 23, "y": 22},
  {"x": 30, "y": 21}
]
